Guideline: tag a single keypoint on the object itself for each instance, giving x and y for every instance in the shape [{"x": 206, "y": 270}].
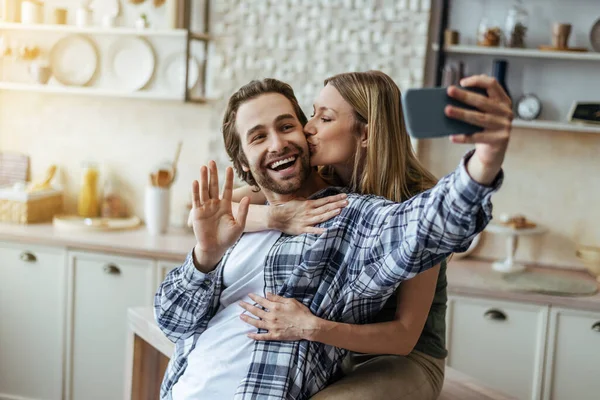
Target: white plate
[
  {"x": 174, "y": 72},
  {"x": 74, "y": 60},
  {"x": 131, "y": 60}
]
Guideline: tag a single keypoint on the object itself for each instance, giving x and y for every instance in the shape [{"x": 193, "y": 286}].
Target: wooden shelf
[
  {"x": 525, "y": 53},
  {"x": 89, "y": 91},
  {"x": 555, "y": 126},
  {"x": 93, "y": 30}
]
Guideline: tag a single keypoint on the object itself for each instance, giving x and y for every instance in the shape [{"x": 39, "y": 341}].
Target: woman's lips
[{"x": 312, "y": 148}]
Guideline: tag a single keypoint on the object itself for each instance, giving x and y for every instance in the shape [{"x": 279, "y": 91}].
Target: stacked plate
[{"x": 131, "y": 61}]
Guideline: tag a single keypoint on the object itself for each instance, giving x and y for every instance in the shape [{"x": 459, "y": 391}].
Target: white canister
[
  {"x": 157, "y": 206},
  {"x": 40, "y": 72},
  {"x": 32, "y": 12},
  {"x": 83, "y": 17}
]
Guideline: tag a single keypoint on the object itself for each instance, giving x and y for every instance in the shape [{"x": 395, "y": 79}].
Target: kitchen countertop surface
[
  {"x": 460, "y": 275},
  {"x": 175, "y": 244}
]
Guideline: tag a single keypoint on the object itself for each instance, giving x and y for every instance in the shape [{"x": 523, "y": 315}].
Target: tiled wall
[{"x": 299, "y": 41}]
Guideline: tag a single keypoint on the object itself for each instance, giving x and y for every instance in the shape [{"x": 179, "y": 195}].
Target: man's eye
[
  {"x": 288, "y": 127},
  {"x": 257, "y": 137}
]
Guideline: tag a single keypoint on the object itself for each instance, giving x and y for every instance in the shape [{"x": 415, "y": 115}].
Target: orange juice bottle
[{"x": 89, "y": 205}]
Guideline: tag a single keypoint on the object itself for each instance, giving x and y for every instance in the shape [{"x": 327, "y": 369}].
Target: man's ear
[{"x": 364, "y": 136}]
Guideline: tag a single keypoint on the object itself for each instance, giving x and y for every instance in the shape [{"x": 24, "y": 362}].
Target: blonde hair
[{"x": 388, "y": 167}]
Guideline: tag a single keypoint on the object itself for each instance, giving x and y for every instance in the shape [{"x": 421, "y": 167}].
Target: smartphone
[{"x": 424, "y": 113}]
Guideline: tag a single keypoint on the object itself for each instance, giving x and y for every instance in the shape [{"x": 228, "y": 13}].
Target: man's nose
[
  {"x": 277, "y": 143},
  {"x": 309, "y": 129}
]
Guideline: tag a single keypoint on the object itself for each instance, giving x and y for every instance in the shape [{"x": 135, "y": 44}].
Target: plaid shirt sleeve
[
  {"x": 418, "y": 234},
  {"x": 183, "y": 300}
]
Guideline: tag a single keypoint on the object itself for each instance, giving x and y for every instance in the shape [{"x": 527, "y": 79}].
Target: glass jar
[
  {"x": 88, "y": 205},
  {"x": 489, "y": 33},
  {"x": 516, "y": 25},
  {"x": 113, "y": 205}
]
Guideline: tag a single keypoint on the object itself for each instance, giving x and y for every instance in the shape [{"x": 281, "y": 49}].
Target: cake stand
[{"x": 512, "y": 241}]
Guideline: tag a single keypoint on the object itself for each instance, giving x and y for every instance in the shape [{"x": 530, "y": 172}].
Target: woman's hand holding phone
[{"x": 494, "y": 114}]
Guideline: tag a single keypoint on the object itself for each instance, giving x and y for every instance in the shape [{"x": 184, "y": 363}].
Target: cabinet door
[
  {"x": 573, "y": 362},
  {"x": 500, "y": 343},
  {"x": 103, "y": 288},
  {"x": 32, "y": 303},
  {"x": 164, "y": 267}
]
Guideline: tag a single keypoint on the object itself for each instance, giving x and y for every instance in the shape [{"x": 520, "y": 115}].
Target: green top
[{"x": 433, "y": 338}]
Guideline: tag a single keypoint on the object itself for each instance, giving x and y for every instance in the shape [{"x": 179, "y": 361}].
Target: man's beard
[{"x": 287, "y": 186}]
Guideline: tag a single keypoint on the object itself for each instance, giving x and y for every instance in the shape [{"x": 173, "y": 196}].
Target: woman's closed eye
[{"x": 323, "y": 119}]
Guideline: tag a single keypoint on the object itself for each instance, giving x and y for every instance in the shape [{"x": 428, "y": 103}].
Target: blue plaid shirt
[{"x": 345, "y": 275}]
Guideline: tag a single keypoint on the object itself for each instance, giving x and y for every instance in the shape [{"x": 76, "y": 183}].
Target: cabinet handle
[
  {"x": 28, "y": 257},
  {"x": 495, "y": 315},
  {"x": 112, "y": 269},
  {"x": 596, "y": 327}
]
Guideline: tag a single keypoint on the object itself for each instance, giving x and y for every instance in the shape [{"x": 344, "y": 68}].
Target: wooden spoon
[
  {"x": 45, "y": 184},
  {"x": 175, "y": 160}
]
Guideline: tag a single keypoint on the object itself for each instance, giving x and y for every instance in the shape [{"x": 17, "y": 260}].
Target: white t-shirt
[{"x": 222, "y": 355}]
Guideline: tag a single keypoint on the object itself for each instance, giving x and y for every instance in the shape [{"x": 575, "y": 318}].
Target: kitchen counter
[
  {"x": 460, "y": 275},
  {"x": 174, "y": 245},
  {"x": 149, "y": 350}
]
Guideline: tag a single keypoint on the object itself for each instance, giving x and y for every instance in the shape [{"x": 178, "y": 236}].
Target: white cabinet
[
  {"x": 498, "y": 342},
  {"x": 573, "y": 362},
  {"x": 103, "y": 287},
  {"x": 164, "y": 267},
  {"x": 32, "y": 318}
]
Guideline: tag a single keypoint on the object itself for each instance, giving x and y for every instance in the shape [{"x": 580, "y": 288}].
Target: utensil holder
[{"x": 157, "y": 206}]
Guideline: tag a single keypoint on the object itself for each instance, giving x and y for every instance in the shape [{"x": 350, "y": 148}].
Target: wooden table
[{"x": 149, "y": 352}]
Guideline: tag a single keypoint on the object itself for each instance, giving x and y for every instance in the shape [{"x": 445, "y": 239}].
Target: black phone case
[{"x": 424, "y": 113}]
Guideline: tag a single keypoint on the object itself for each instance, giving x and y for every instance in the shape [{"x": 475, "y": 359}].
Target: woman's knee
[{"x": 382, "y": 377}]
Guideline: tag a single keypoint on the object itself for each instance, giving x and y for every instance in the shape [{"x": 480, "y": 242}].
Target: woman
[{"x": 358, "y": 132}]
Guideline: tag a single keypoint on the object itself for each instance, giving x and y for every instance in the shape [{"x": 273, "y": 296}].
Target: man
[{"x": 345, "y": 274}]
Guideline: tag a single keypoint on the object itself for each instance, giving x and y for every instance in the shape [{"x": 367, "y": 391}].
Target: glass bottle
[
  {"x": 489, "y": 33},
  {"x": 88, "y": 205},
  {"x": 499, "y": 70},
  {"x": 516, "y": 25}
]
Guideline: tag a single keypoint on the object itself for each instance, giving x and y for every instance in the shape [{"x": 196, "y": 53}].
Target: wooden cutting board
[{"x": 14, "y": 167}]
